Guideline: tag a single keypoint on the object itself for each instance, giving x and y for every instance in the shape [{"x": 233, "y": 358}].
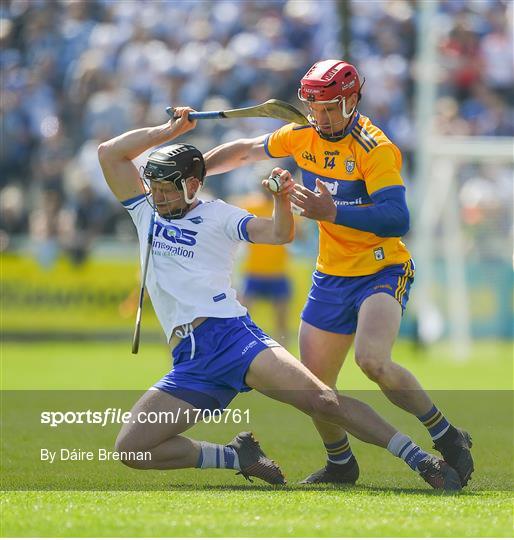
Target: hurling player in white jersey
[{"x": 218, "y": 351}]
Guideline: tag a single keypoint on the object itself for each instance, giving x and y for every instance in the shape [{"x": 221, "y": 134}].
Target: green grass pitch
[{"x": 389, "y": 500}]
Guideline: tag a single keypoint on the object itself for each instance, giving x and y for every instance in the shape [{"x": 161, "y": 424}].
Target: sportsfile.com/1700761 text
[{"x": 113, "y": 415}]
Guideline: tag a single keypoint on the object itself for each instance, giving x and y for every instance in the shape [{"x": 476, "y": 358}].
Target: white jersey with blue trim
[{"x": 191, "y": 262}]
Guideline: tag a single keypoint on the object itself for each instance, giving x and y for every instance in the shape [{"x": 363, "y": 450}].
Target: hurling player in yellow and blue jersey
[{"x": 353, "y": 187}]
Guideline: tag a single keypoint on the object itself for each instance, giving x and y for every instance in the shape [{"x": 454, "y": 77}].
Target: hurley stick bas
[{"x": 273, "y": 108}]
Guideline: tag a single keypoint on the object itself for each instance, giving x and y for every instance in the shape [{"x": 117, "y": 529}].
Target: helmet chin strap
[
  {"x": 181, "y": 212},
  {"x": 338, "y": 135},
  {"x": 191, "y": 200},
  {"x": 346, "y": 115},
  {"x": 343, "y": 109}
]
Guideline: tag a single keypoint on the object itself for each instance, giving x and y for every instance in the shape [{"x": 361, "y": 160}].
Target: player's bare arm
[
  {"x": 278, "y": 229},
  {"x": 116, "y": 155},
  {"x": 232, "y": 155}
]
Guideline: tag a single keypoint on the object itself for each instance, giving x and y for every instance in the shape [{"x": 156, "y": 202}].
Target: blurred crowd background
[{"x": 77, "y": 72}]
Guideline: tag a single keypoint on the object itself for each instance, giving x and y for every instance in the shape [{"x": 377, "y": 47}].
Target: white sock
[
  {"x": 397, "y": 442},
  {"x": 217, "y": 456},
  {"x": 402, "y": 446}
]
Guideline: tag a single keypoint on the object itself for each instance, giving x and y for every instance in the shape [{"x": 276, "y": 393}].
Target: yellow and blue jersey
[{"x": 364, "y": 162}]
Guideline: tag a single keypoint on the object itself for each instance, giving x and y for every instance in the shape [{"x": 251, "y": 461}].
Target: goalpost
[{"x": 437, "y": 159}]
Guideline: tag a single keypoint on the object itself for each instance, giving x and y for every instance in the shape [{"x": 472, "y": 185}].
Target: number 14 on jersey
[{"x": 329, "y": 162}]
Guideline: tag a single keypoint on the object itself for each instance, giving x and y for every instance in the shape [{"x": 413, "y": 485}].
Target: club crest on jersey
[
  {"x": 350, "y": 165},
  {"x": 379, "y": 254}
]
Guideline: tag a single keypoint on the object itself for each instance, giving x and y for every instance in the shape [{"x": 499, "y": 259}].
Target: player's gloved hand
[
  {"x": 286, "y": 183},
  {"x": 180, "y": 122},
  {"x": 319, "y": 206}
]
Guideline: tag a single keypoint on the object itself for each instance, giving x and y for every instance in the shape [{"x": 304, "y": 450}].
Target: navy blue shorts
[
  {"x": 333, "y": 303},
  {"x": 223, "y": 352},
  {"x": 272, "y": 288}
]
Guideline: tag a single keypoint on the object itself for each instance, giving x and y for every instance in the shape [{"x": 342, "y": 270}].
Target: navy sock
[
  {"x": 340, "y": 451},
  {"x": 435, "y": 422}
]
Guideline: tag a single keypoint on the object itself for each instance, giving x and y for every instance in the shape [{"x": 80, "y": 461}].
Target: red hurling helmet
[{"x": 330, "y": 81}]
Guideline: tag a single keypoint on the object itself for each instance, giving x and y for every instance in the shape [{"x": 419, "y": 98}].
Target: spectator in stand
[
  {"x": 13, "y": 213},
  {"x": 82, "y": 222},
  {"x": 47, "y": 226},
  {"x": 84, "y": 62}
]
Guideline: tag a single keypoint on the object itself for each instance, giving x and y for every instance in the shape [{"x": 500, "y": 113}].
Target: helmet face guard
[
  {"x": 175, "y": 164},
  {"x": 326, "y": 83},
  {"x": 335, "y": 133}
]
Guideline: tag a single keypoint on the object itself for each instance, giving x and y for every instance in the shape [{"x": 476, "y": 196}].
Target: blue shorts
[
  {"x": 333, "y": 303},
  {"x": 272, "y": 288},
  {"x": 223, "y": 352}
]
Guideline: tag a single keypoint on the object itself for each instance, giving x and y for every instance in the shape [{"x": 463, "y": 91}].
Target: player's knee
[
  {"x": 126, "y": 447},
  {"x": 371, "y": 365},
  {"x": 324, "y": 405}
]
